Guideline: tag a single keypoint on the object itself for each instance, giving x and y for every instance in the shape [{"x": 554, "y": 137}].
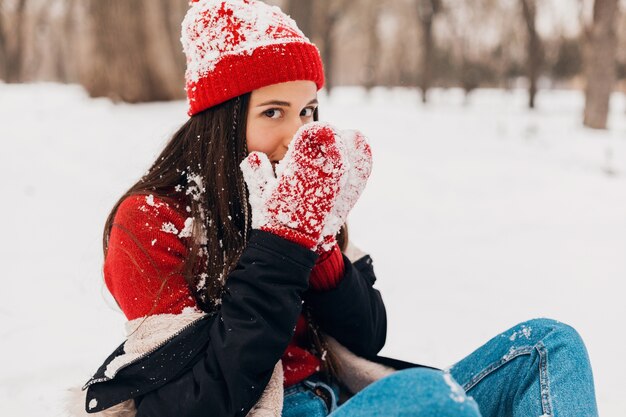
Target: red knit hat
[{"x": 236, "y": 46}]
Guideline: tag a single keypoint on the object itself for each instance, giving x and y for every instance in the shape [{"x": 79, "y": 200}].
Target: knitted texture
[
  {"x": 147, "y": 244},
  {"x": 236, "y": 46},
  {"x": 142, "y": 268},
  {"x": 358, "y": 168},
  {"x": 328, "y": 270},
  {"x": 144, "y": 333},
  {"x": 295, "y": 202},
  {"x": 298, "y": 362}
]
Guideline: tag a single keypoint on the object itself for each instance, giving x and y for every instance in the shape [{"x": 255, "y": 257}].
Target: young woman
[{"x": 231, "y": 260}]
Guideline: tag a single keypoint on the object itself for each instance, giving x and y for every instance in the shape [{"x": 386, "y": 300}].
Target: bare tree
[
  {"x": 328, "y": 14},
  {"x": 3, "y": 42},
  {"x": 13, "y": 43},
  {"x": 173, "y": 13},
  {"x": 39, "y": 25},
  {"x": 65, "y": 70},
  {"x": 33, "y": 43},
  {"x": 427, "y": 10},
  {"x": 328, "y": 48},
  {"x": 318, "y": 20},
  {"x": 372, "y": 12},
  {"x": 132, "y": 58},
  {"x": 302, "y": 12},
  {"x": 600, "y": 63},
  {"x": 468, "y": 46},
  {"x": 534, "y": 52}
]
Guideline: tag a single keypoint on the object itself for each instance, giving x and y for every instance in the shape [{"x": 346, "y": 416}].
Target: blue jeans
[{"x": 537, "y": 368}]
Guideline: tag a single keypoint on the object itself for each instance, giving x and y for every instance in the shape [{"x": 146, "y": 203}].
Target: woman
[{"x": 231, "y": 260}]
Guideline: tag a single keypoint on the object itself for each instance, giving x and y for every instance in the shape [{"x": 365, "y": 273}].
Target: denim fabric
[
  {"x": 419, "y": 392},
  {"x": 535, "y": 369},
  {"x": 310, "y": 398}
]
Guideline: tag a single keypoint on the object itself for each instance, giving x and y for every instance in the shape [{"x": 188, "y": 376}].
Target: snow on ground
[{"x": 478, "y": 216}]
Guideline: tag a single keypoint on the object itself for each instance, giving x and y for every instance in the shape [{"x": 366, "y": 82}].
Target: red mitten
[
  {"x": 295, "y": 203},
  {"x": 358, "y": 169}
]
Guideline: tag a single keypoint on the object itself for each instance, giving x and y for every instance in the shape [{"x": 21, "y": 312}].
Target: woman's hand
[
  {"x": 296, "y": 202},
  {"x": 358, "y": 169},
  {"x": 329, "y": 267}
]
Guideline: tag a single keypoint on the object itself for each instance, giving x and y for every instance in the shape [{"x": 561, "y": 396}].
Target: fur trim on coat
[{"x": 356, "y": 372}]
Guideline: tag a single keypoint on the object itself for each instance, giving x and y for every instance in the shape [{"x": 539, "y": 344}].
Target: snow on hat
[{"x": 236, "y": 46}]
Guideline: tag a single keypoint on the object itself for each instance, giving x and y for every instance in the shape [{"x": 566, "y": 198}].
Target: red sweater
[{"x": 146, "y": 252}]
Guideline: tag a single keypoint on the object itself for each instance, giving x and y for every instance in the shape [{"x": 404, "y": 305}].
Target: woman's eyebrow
[{"x": 283, "y": 103}]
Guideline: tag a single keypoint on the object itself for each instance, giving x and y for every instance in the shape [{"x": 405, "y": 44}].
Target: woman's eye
[
  {"x": 308, "y": 112},
  {"x": 272, "y": 113}
]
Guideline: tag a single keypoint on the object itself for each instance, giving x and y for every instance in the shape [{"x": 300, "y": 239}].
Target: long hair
[{"x": 198, "y": 172}]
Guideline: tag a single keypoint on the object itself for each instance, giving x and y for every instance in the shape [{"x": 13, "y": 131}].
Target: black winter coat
[{"x": 220, "y": 364}]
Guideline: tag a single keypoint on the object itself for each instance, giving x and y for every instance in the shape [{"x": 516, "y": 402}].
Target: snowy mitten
[
  {"x": 359, "y": 167},
  {"x": 295, "y": 203}
]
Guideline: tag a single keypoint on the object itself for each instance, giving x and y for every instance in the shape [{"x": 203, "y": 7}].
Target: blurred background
[
  {"x": 470, "y": 44},
  {"x": 498, "y": 192}
]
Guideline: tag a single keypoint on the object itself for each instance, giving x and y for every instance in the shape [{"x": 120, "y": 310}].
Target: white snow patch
[
  {"x": 169, "y": 227},
  {"x": 186, "y": 232},
  {"x": 513, "y": 351},
  {"x": 93, "y": 403},
  {"x": 523, "y": 332},
  {"x": 207, "y": 36},
  {"x": 195, "y": 186},
  {"x": 201, "y": 285},
  {"x": 525, "y": 203},
  {"x": 457, "y": 394}
]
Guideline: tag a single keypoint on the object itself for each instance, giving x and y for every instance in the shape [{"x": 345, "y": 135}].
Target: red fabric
[
  {"x": 144, "y": 251},
  {"x": 296, "y": 206},
  {"x": 292, "y": 235},
  {"x": 144, "y": 248},
  {"x": 236, "y": 47},
  {"x": 235, "y": 75},
  {"x": 298, "y": 363},
  {"x": 328, "y": 270}
]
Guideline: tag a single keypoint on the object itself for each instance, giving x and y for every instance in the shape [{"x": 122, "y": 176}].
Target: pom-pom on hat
[{"x": 236, "y": 46}]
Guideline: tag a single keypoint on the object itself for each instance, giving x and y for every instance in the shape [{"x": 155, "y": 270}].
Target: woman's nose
[{"x": 294, "y": 125}]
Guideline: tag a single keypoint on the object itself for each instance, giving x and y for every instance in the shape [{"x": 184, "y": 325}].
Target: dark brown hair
[{"x": 198, "y": 173}]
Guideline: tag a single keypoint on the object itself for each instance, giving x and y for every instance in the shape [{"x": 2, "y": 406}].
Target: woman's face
[{"x": 275, "y": 113}]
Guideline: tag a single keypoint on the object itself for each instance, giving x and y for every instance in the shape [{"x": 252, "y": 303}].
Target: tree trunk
[
  {"x": 15, "y": 48},
  {"x": 373, "y": 45},
  {"x": 533, "y": 49},
  {"x": 132, "y": 57},
  {"x": 600, "y": 63},
  {"x": 66, "y": 71},
  {"x": 427, "y": 10},
  {"x": 327, "y": 14},
  {"x": 3, "y": 44},
  {"x": 328, "y": 50},
  {"x": 427, "y": 56},
  {"x": 302, "y": 12},
  {"x": 173, "y": 14}
]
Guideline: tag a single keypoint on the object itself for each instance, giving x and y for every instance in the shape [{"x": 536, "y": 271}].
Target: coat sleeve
[
  {"x": 254, "y": 325},
  {"x": 353, "y": 312}
]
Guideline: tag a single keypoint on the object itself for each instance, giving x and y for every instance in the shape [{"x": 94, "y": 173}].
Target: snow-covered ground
[{"x": 478, "y": 216}]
